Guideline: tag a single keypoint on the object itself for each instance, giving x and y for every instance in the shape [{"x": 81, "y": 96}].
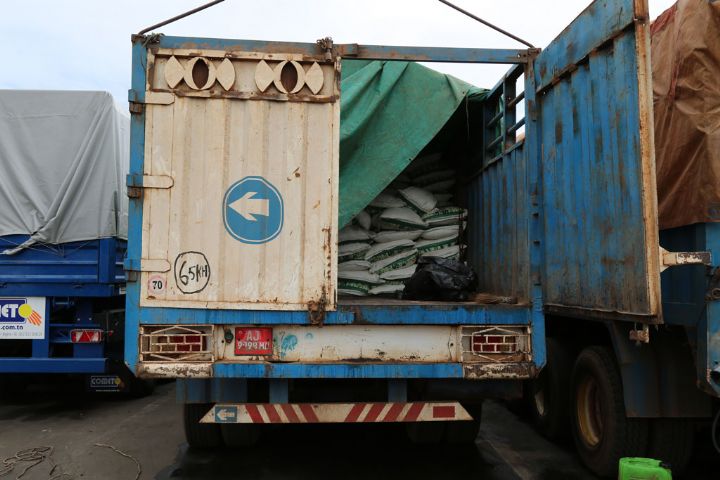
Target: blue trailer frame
[{"x": 71, "y": 276}]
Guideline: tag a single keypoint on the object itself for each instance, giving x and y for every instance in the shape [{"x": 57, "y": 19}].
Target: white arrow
[
  {"x": 223, "y": 414},
  {"x": 249, "y": 207}
]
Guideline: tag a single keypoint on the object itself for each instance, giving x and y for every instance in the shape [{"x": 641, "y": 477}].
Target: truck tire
[
  {"x": 200, "y": 435},
  {"x": 671, "y": 441},
  {"x": 548, "y": 395},
  {"x": 602, "y": 432},
  {"x": 240, "y": 435},
  {"x": 465, "y": 432}
]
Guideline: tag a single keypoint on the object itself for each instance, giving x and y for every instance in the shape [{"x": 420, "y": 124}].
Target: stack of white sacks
[{"x": 413, "y": 218}]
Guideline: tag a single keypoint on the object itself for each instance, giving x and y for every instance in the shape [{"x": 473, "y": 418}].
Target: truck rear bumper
[
  {"x": 369, "y": 412},
  {"x": 53, "y": 365},
  {"x": 484, "y": 371}
]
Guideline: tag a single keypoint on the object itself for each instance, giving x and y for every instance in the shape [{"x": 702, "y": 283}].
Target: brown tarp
[{"x": 686, "y": 97}]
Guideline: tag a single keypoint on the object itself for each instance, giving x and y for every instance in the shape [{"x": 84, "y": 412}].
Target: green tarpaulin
[{"x": 389, "y": 112}]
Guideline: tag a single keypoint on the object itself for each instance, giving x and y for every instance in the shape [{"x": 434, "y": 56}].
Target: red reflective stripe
[
  {"x": 290, "y": 413},
  {"x": 374, "y": 412},
  {"x": 444, "y": 411},
  {"x": 393, "y": 413},
  {"x": 355, "y": 412},
  {"x": 254, "y": 414},
  {"x": 414, "y": 412},
  {"x": 272, "y": 413},
  {"x": 309, "y": 413}
]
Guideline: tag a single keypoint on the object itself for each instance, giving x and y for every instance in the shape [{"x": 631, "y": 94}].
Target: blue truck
[
  {"x": 242, "y": 174},
  {"x": 63, "y": 237}
]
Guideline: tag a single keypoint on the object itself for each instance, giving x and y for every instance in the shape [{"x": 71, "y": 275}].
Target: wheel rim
[{"x": 589, "y": 412}]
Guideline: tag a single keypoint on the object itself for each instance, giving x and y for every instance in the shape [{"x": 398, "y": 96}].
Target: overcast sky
[{"x": 85, "y": 44}]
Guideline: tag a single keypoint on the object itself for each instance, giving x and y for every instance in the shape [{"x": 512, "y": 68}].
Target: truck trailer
[
  {"x": 63, "y": 230},
  {"x": 662, "y": 385},
  {"x": 245, "y": 165}
]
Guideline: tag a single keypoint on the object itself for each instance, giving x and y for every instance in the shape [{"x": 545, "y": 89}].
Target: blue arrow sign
[
  {"x": 226, "y": 414},
  {"x": 253, "y": 210}
]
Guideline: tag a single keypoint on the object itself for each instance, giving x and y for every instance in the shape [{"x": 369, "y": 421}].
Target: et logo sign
[{"x": 22, "y": 317}]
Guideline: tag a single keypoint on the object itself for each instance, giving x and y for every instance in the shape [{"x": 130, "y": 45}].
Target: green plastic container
[{"x": 643, "y": 469}]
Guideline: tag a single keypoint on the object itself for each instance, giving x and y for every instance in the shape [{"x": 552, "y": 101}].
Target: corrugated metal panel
[
  {"x": 498, "y": 204},
  {"x": 601, "y": 247},
  {"x": 219, "y": 237}
]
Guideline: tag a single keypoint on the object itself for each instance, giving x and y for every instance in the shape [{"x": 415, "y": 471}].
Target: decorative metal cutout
[
  {"x": 204, "y": 70},
  {"x": 199, "y": 73},
  {"x": 266, "y": 75},
  {"x": 226, "y": 74},
  {"x": 174, "y": 72},
  {"x": 314, "y": 78}
]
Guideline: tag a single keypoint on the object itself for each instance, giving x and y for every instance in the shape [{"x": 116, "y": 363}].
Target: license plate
[{"x": 253, "y": 341}]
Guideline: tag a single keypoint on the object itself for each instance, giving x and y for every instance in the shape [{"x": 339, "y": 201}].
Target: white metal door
[{"x": 240, "y": 180}]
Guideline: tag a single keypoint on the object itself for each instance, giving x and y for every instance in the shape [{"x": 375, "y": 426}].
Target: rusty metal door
[
  {"x": 595, "y": 130},
  {"x": 240, "y": 180}
]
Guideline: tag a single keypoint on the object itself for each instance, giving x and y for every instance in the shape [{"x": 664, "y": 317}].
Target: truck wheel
[
  {"x": 200, "y": 435},
  {"x": 601, "y": 430},
  {"x": 671, "y": 441},
  {"x": 240, "y": 435},
  {"x": 465, "y": 432},
  {"x": 548, "y": 394}
]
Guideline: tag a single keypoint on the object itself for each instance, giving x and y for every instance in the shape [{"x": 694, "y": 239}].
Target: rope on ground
[
  {"x": 139, "y": 467},
  {"x": 34, "y": 456}
]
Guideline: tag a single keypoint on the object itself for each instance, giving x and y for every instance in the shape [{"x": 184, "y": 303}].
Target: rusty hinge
[
  {"x": 136, "y": 183},
  {"x": 326, "y": 44},
  {"x": 316, "y": 311},
  {"x": 673, "y": 259},
  {"x": 136, "y": 108}
]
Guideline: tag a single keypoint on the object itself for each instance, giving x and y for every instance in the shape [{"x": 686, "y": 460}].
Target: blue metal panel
[
  {"x": 600, "y": 21},
  {"x": 135, "y": 213},
  {"x": 598, "y": 200},
  {"x": 368, "y": 52},
  {"x": 52, "y": 365},
  {"x": 462, "y": 314},
  {"x": 536, "y": 219},
  {"x": 295, "y": 370},
  {"x": 80, "y": 269},
  {"x": 498, "y": 203}
]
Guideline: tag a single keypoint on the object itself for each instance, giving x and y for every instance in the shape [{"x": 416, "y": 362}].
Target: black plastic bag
[{"x": 441, "y": 279}]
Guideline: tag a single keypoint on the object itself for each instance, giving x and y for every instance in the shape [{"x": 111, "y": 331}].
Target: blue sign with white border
[
  {"x": 226, "y": 414},
  {"x": 253, "y": 210}
]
